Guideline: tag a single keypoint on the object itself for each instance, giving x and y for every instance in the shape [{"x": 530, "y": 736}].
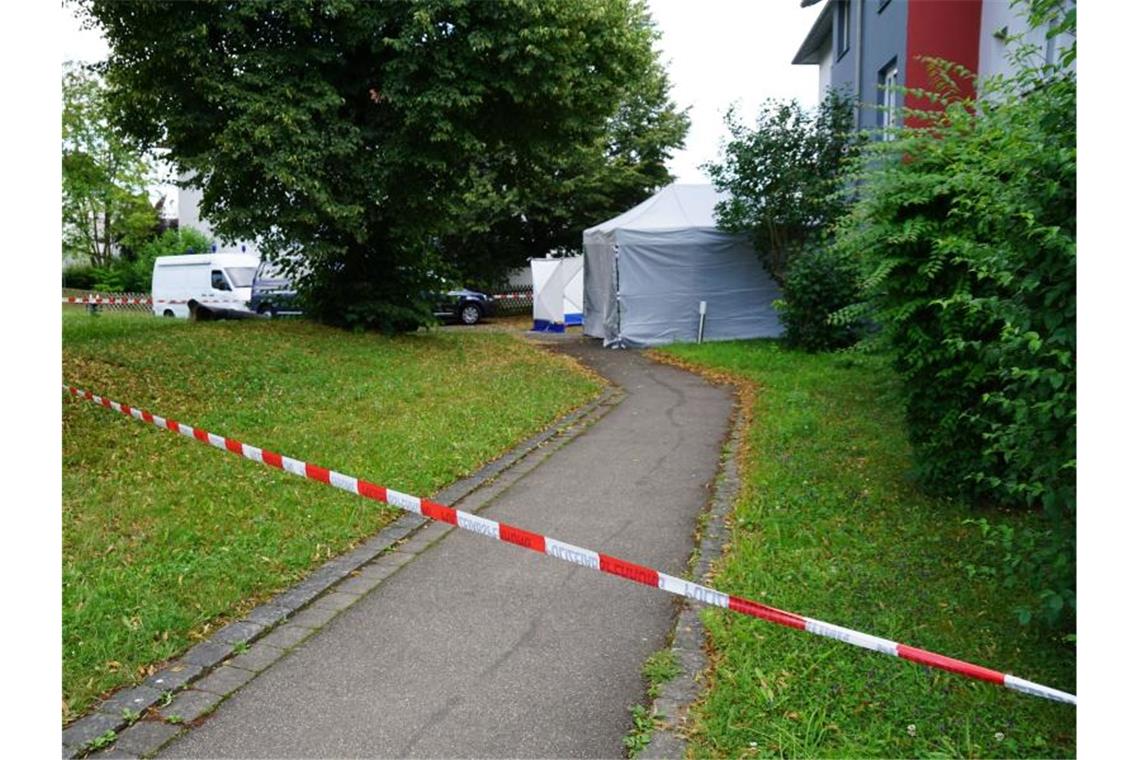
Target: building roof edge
[{"x": 820, "y": 31}]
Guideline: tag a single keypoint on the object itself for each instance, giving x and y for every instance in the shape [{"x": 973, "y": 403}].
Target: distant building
[
  {"x": 867, "y": 47},
  {"x": 189, "y": 216}
]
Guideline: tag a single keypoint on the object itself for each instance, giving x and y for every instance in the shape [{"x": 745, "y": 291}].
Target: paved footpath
[{"x": 481, "y": 649}]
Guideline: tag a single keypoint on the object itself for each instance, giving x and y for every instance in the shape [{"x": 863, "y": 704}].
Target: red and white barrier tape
[
  {"x": 105, "y": 300},
  {"x": 584, "y": 557},
  {"x": 99, "y": 299},
  {"x": 146, "y": 301}
]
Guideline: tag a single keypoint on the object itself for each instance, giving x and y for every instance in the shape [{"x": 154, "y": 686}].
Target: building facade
[
  {"x": 190, "y": 217},
  {"x": 868, "y": 47}
]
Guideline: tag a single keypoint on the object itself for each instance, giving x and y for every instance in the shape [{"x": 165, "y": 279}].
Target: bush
[
  {"x": 786, "y": 178},
  {"x": 819, "y": 283},
  {"x": 80, "y": 277},
  {"x": 968, "y": 232},
  {"x": 133, "y": 275}
]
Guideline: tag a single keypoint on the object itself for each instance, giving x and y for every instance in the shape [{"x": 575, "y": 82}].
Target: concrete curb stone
[
  {"x": 225, "y": 680},
  {"x": 288, "y": 636},
  {"x": 174, "y": 677},
  {"x": 145, "y": 737},
  {"x": 91, "y": 727},
  {"x": 259, "y": 657},
  {"x": 190, "y": 705},
  {"x": 137, "y": 700},
  {"x": 313, "y": 617}
]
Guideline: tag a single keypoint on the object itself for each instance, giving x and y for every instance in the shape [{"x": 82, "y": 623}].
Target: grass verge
[
  {"x": 830, "y": 525},
  {"x": 165, "y": 539}
]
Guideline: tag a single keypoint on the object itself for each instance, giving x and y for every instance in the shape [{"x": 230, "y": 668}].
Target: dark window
[
  {"x": 842, "y": 27},
  {"x": 889, "y": 98},
  {"x": 218, "y": 280}
]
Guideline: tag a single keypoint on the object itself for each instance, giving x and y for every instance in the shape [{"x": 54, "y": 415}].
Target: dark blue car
[
  {"x": 272, "y": 292},
  {"x": 463, "y": 306}
]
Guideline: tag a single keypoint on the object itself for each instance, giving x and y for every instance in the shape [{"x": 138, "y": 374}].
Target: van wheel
[
  {"x": 267, "y": 310},
  {"x": 168, "y": 313},
  {"x": 469, "y": 314}
]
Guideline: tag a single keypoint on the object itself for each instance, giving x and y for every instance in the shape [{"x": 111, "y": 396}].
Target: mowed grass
[
  {"x": 165, "y": 539},
  {"x": 830, "y": 525}
]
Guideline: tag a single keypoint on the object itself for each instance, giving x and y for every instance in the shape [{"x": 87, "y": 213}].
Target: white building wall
[
  {"x": 825, "y": 68},
  {"x": 189, "y": 215},
  {"x": 994, "y": 51}
]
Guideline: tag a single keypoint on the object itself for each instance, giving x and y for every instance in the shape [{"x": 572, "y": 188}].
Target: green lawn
[
  {"x": 165, "y": 539},
  {"x": 830, "y": 525}
]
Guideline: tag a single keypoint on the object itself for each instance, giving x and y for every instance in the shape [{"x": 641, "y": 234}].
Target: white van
[{"x": 216, "y": 280}]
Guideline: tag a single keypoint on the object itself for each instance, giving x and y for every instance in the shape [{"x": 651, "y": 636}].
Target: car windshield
[
  {"x": 241, "y": 277},
  {"x": 276, "y": 270}
]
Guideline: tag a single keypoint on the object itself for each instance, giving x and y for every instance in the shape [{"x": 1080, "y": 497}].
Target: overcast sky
[{"x": 717, "y": 52}]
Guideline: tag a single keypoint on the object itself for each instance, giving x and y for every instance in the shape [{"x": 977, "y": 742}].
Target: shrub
[
  {"x": 818, "y": 283},
  {"x": 785, "y": 178},
  {"x": 80, "y": 277},
  {"x": 133, "y": 275},
  {"x": 967, "y": 229}
]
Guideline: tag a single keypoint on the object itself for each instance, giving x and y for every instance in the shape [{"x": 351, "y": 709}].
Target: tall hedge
[{"x": 967, "y": 233}]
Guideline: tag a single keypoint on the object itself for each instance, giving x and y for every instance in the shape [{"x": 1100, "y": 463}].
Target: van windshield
[{"x": 241, "y": 277}]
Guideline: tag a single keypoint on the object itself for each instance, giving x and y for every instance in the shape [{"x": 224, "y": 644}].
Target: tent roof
[{"x": 674, "y": 207}]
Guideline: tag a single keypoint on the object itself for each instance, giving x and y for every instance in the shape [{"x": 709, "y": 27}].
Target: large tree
[
  {"x": 105, "y": 173},
  {"x": 579, "y": 185},
  {"x": 373, "y": 136}
]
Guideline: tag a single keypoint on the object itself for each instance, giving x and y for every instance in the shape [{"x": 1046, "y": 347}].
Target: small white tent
[
  {"x": 648, "y": 270},
  {"x": 557, "y": 293}
]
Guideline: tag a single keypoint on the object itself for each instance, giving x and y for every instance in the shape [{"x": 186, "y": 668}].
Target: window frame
[
  {"x": 888, "y": 98},
  {"x": 842, "y": 28},
  {"x": 216, "y": 273}
]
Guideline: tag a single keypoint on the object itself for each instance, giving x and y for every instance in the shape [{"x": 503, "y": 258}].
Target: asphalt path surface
[{"x": 482, "y": 649}]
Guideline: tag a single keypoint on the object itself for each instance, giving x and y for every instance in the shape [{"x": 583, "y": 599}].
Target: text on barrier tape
[
  {"x": 117, "y": 300},
  {"x": 584, "y": 557}
]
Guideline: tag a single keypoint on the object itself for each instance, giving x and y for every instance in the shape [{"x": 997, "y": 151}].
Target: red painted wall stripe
[
  {"x": 627, "y": 570},
  {"x": 523, "y": 538},
  {"x": 946, "y": 29},
  {"x": 943, "y": 662},
  {"x": 764, "y": 612}
]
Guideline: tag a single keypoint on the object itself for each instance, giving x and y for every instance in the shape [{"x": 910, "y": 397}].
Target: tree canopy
[
  {"x": 384, "y": 141},
  {"x": 105, "y": 203}
]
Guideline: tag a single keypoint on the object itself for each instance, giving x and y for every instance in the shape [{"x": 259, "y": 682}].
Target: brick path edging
[
  {"x": 269, "y": 630},
  {"x": 674, "y": 697}
]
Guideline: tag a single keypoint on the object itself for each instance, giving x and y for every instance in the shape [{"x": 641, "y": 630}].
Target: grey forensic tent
[{"x": 647, "y": 270}]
